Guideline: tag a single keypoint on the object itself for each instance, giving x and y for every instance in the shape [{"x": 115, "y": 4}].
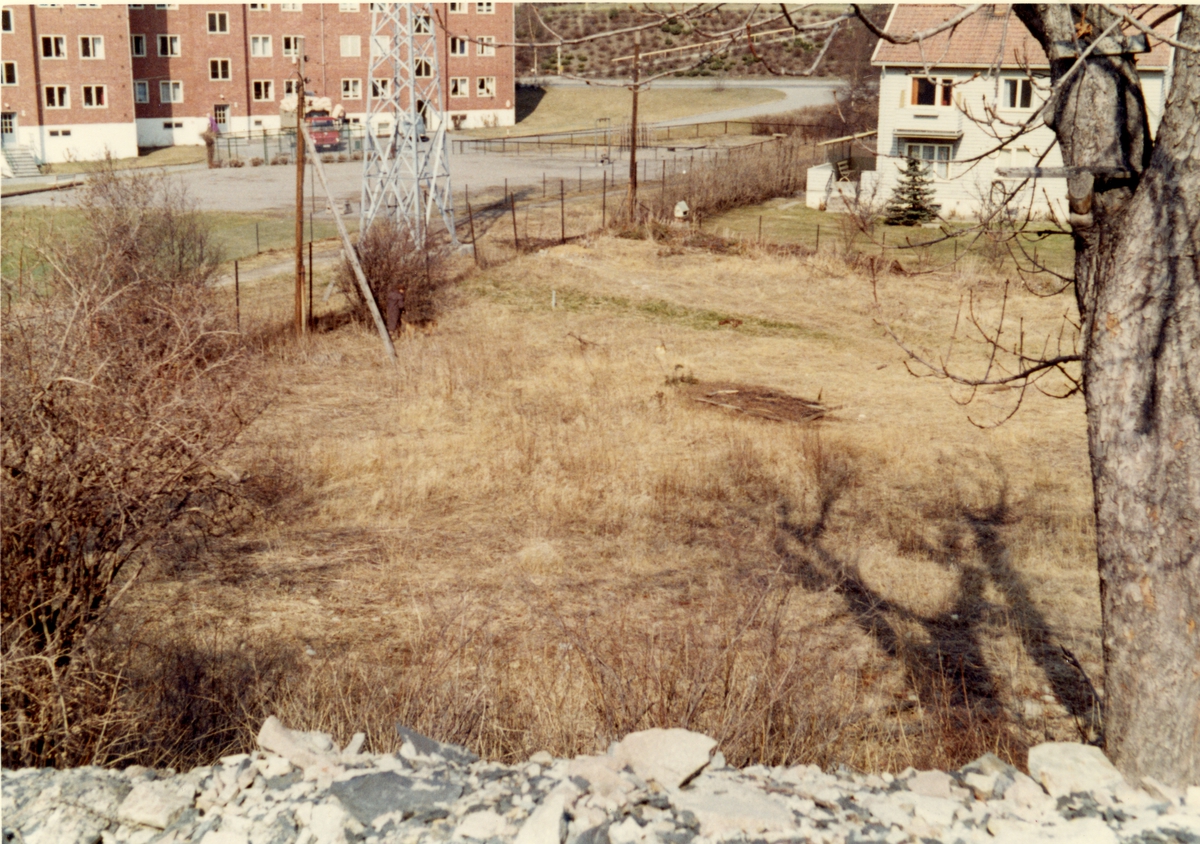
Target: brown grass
[{"x": 523, "y": 537}]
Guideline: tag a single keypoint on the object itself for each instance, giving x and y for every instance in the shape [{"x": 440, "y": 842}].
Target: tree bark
[{"x": 1137, "y": 270}]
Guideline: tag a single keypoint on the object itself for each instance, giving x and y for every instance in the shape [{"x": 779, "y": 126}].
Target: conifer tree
[{"x": 912, "y": 199}]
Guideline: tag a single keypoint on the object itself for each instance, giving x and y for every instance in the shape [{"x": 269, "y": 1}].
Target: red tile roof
[{"x": 992, "y": 33}]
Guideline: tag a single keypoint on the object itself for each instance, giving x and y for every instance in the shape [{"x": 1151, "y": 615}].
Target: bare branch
[{"x": 915, "y": 37}]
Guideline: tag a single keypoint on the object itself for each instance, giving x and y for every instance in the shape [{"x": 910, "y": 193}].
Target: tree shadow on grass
[{"x": 949, "y": 666}]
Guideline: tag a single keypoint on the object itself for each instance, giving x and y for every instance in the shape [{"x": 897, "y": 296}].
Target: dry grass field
[{"x": 541, "y": 529}]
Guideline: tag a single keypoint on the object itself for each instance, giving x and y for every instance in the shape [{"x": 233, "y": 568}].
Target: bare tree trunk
[
  {"x": 633, "y": 127},
  {"x": 1138, "y": 285}
]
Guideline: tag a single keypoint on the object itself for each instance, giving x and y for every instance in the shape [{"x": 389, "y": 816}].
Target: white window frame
[
  {"x": 141, "y": 91},
  {"x": 170, "y": 86},
  {"x": 381, "y": 45},
  {"x": 170, "y": 7},
  {"x": 166, "y": 40},
  {"x": 291, "y": 7},
  {"x": 381, "y": 88},
  {"x": 348, "y": 7},
  {"x": 289, "y": 87},
  {"x": 222, "y": 65},
  {"x": 103, "y": 89},
  {"x": 63, "y": 101},
  {"x": 1018, "y": 94},
  {"x": 134, "y": 40},
  {"x": 423, "y": 69},
  {"x": 485, "y": 8},
  {"x": 260, "y": 7},
  {"x": 460, "y": 86},
  {"x": 4, "y": 74},
  {"x": 485, "y": 87},
  {"x": 221, "y": 114},
  {"x": 937, "y": 166},
  {"x": 458, "y": 8},
  {"x": 294, "y": 49},
  {"x": 58, "y": 47},
  {"x": 260, "y": 47},
  {"x": 263, "y": 90},
  {"x": 350, "y": 46},
  {"x": 95, "y": 46},
  {"x": 351, "y": 89},
  {"x": 486, "y": 45},
  {"x": 459, "y": 46},
  {"x": 422, "y": 25},
  {"x": 221, "y": 19}
]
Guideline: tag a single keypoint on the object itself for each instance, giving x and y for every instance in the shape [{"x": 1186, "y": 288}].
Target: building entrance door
[
  {"x": 221, "y": 117},
  {"x": 8, "y": 128}
]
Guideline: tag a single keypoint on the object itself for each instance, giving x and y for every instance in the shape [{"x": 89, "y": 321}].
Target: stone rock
[
  {"x": 724, "y": 809},
  {"x": 482, "y": 825},
  {"x": 548, "y": 823},
  {"x": 328, "y": 824},
  {"x": 603, "y": 777},
  {"x": 1026, "y": 794},
  {"x": 154, "y": 803},
  {"x": 371, "y": 795},
  {"x": 1066, "y": 767},
  {"x": 983, "y": 786},
  {"x": 931, "y": 784},
  {"x": 668, "y": 757},
  {"x": 1192, "y": 797},
  {"x": 429, "y": 747}
]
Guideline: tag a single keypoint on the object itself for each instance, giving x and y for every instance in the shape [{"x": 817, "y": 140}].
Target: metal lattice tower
[{"x": 404, "y": 178}]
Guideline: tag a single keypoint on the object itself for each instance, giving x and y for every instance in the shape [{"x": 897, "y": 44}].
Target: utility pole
[
  {"x": 633, "y": 126},
  {"x": 301, "y": 98}
]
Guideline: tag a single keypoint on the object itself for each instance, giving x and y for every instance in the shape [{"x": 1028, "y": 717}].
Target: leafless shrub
[
  {"x": 236, "y": 162},
  {"x": 256, "y": 161},
  {"x": 281, "y": 158},
  {"x": 123, "y": 387},
  {"x": 390, "y": 259}
]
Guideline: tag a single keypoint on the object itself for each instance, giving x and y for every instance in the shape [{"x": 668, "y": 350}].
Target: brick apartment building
[
  {"x": 169, "y": 70},
  {"x": 67, "y": 81}
]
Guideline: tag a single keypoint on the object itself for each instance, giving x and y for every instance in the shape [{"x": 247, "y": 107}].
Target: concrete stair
[{"x": 21, "y": 162}]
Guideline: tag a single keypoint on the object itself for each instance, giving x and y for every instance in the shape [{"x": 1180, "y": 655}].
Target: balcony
[{"x": 944, "y": 124}]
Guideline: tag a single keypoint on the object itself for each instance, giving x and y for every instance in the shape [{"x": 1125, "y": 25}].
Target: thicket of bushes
[{"x": 123, "y": 389}]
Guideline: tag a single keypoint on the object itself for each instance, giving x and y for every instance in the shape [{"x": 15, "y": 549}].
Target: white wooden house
[{"x": 954, "y": 102}]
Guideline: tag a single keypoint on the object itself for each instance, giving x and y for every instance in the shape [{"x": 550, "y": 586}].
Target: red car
[{"x": 324, "y": 133}]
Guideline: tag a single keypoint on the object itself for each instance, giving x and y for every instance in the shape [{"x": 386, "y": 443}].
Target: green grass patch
[
  {"x": 525, "y": 296},
  {"x": 565, "y": 108},
  {"x": 163, "y": 157},
  {"x": 789, "y": 220}
]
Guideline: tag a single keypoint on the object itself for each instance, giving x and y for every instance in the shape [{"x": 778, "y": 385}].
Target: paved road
[{"x": 265, "y": 189}]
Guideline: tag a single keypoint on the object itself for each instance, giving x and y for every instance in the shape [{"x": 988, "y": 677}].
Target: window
[
  {"x": 351, "y": 89},
  {"x": 58, "y": 96},
  {"x": 421, "y": 25},
  {"x": 347, "y": 7},
  {"x": 485, "y": 86},
  {"x": 260, "y": 46},
  {"x": 290, "y": 87},
  {"x": 290, "y": 7},
  {"x": 1018, "y": 93},
  {"x": 264, "y": 90},
  {"x": 91, "y": 47},
  {"x": 486, "y": 45},
  {"x": 95, "y": 96},
  {"x": 141, "y": 91},
  {"x": 460, "y": 86},
  {"x": 218, "y": 69},
  {"x": 168, "y": 45},
  {"x": 6, "y": 20},
  {"x": 458, "y": 8},
  {"x": 381, "y": 45},
  {"x": 170, "y": 92},
  {"x": 458, "y": 46},
  {"x": 351, "y": 46},
  {"x": 168, "y": 124},
  {"x": 218, "y": 23},
  {"x": 54, "y": 46},
  {"x": 260, "y": 7},
  {"x": 422, "y": 69},
  {"x": 221, "y": 115},
  {"x": 936, "y": 157},
  {"x": 137, "y": 5},
  {"x": 381, "y": 88},
  {"x": 10, "y": 74},
  {"x": 170, "y": 7},
  {"x": 932, "y": 92},
  {"x": 291, "y": 45},
  {"x": 485, "y": 8},
  {"x": 137, "y": 45},
  {"x": 54, "y": 133},
  {"x": 8, "y": 123}
]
